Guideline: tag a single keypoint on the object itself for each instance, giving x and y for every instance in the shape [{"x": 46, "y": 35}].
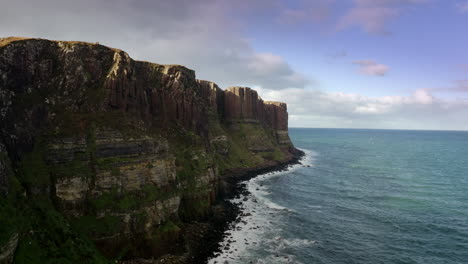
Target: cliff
[{"x": 104, "y": 158}]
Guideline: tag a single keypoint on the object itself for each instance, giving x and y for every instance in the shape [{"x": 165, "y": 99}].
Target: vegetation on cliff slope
[{"x": 105, "y": 158}]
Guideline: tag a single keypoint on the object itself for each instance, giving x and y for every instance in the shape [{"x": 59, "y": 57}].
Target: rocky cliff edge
[{"x": 103, "y": 158}]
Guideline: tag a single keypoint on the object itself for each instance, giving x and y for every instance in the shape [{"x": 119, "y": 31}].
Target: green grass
[
  {"x": 169, "y": 226},
  {"x": 46, "y": 235},
  {"x": 243, "y": 137},
  {"x": 273, "y": 155},
  {"x": 75, "y": 168},
  {"x": 105, "y": 200},
  {"x": 110, "y": 163},
  {"x": 194, "y": 205},
  {"x": 8, "y": 218},
  {"x": 33, "y": 170},
  {"x": 95, "y": 227},
  {"x": 125, "y": 201}
]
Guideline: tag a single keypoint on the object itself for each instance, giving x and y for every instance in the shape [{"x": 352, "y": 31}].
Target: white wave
[
  {"x": 257, "y": 210},
  {"x": 259, "y": 195},
  {"x": 309, "y": 158},
  {"x": 275, "y": 258},
  {"x": 314, "y": 206},
  {"x": 295, "y": 242},
  {"x": 272, "y": 205}
]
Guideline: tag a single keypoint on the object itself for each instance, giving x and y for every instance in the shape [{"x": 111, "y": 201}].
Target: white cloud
[
  {"x": 423, "y": 96},
  {"x": 265, "y": 63},
  {"x": 372, "y": 108},
  {"x": 197, "y": 34},
  {"x": 372, "y": 19},
  {"x": 315, "y": 11},
  {"x": 460, "y": 86},
  {"x": 201, "y": 35},
  {"x": 373, "y": 15},
  {"x": 462, "y": 7},
  {"x": 370, "y": 67},
  {"x": 419, "y": 110}
]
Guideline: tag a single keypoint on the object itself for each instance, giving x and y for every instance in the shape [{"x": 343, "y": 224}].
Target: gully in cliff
[{"x": 104, "y": 158}]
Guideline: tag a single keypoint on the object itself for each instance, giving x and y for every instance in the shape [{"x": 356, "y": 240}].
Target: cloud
[
  {"x": 370, "y": 67},
  {"x": 371, "y": 19},
  {"x": 463, "y": 67},
  {"x": 314, "y": 11},
  {"x": 462, "y": 7},
  {"x": 460, "y": 86},
  {"x": 373, "y": 15},
  {"x": 197, "y": 34},
  {"x": 291, "y": 16},
  {"x": 419, "y": 110},
  {"x": 423, "y": 96}
]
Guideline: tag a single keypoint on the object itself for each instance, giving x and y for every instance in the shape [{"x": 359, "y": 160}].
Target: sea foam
[{"x": 259, "y": 214}]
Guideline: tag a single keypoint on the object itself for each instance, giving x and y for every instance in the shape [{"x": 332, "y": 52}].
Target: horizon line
[{"x": 398, "y": 129}]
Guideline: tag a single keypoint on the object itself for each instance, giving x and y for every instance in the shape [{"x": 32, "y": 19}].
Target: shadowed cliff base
[{"x": 107, "y": 159}]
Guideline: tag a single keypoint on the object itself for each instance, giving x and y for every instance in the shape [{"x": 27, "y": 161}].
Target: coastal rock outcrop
[
  {"x": 103, "y": 157},
  {"x": 8, "y": 250},
  {"x": 3, "y": 170},
  {"x": 245, "y": 105}
]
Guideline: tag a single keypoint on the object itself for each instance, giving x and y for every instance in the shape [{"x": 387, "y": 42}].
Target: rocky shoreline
[
  {"x": 232, "y": 211},
  {"x": 204, "y": 237},
  {"x": 109, "y": 159}
]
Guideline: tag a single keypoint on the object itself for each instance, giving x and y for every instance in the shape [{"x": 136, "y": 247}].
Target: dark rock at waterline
[{"x": 81, "y": 118}]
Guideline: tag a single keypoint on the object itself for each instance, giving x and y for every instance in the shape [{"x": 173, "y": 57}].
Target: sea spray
[{"x": 254, "y": 229}]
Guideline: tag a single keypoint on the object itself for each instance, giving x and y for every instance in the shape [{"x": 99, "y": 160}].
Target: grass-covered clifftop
[{"x": 105, "y": 158}]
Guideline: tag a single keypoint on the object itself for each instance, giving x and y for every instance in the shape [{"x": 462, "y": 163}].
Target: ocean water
[{"x": 361, "y": 196}]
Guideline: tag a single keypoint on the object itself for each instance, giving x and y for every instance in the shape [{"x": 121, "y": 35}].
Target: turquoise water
[{"x": 362, "y": 196}]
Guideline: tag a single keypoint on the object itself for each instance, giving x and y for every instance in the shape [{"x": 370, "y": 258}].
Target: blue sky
[
  {"x": 397, "y": 64},
  {"x": 426, "y": 47}
]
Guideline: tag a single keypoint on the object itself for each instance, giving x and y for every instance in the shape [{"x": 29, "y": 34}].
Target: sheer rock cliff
[{"x": 105, "y": 158}]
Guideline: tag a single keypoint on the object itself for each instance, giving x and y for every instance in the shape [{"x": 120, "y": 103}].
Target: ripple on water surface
[{"x": 369, "y": 196}]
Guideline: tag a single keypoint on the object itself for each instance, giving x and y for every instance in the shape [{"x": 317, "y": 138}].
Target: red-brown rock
[{"x": 244, "y": 104}]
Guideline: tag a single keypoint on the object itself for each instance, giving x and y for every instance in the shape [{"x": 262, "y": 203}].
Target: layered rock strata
[{"x": 104, "y": 158}]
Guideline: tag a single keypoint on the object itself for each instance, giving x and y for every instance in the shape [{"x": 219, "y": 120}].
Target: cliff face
[
  {"x": 243, "y": 104},
  {"x": 104, "y": 157}
]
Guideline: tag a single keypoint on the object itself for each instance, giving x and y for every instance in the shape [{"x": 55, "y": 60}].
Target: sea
[{"x": 359, "y": 196}]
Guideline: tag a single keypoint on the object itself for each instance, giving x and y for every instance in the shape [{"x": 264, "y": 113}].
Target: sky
[{"x": 385, "y": 64}]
